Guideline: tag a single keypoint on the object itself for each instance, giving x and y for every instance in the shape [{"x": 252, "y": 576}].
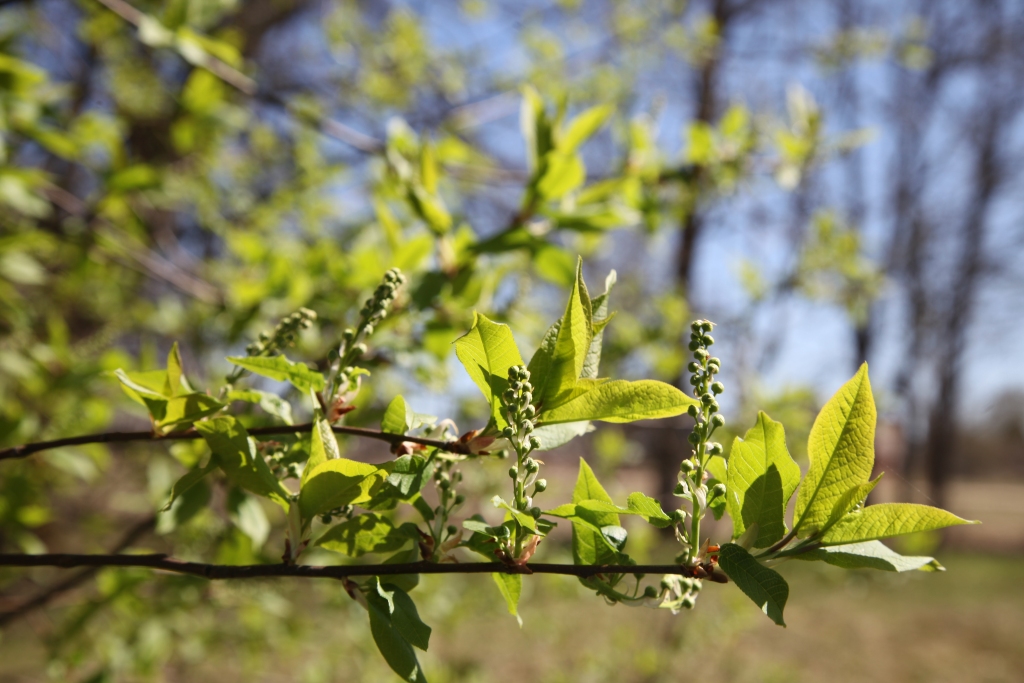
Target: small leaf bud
[{"x": 717, "y": 388}]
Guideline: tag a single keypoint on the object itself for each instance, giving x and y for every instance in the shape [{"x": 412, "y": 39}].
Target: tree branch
[
  {"x": 48, "y": 594},
  {"x": 28, "y": 449},
  {"x": 253, "y": 571}
]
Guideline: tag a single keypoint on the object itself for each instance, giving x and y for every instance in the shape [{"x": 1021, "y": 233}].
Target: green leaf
[
  {"x": 849, "y": 501},
  {"x": 761, "y": 479},
  {"x": 247, "y": 514},
  {"x": 764, "y": 586},
  {"x": 618, "y": 401},
  {"x": 323, "y": 446},
  {"x": 410, "y": 473},
  {"x": 272, "y": 404},
  {"x": 583, "y": 126},
  {"x": 524, "y": 519},
  {"x": 235, "y": 452},
  {"x": 397, "y": 417},
  {"x": 386, "y": 626},
  {"x": 187, "y": 481},
  {"x": 589, "y": 544},
  {"x": 841, "y": 450},
  {"x": 510, "y": 586},
  {"x": 553, "y": 436},
  {"x": 337, "y": 483},
  {"x": 185, "y": 409},
  {"x": 870, "y": 555},
  {"x": 648, "y": 508},
  {"x": 283, "y": 370},
  {"x": 535, "y": 127},
  {"x": 184, "y": 507},
  {"x": 559, "y": 360},
  {"x": 366, "y": 533},
  {"x": 600, "y": 318},
  {"x": 174, "y": 373},
  {"x": 886, "y": 520},
  {"x": 562, "y": 174},
  {"x": 487, "y": 351}
]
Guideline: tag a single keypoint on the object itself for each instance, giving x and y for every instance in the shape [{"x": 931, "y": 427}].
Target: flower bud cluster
[
  {"x": 446, "y": 477},
  {"x": 517, "y": 403},
  {"x": 707, "y": 419},
  {"x": 283, "y": 335},
  {"x": 679, "y": 592},
  {"x": 376, "y": 308}
]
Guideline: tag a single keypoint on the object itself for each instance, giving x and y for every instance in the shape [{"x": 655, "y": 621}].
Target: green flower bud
[
  {"x": 708, "y": 340},
  {"x": 534, "y": 443},
  {"x": 695, "y": 326},
  {"x": 678, "y": 516},
  {"x": 694, "y": 346},
  {"x": 715, "y": 360},
  {"x": 693, "y": 438},
  {"x": 452, "y": 529},
  {"x": 650, "y": 592},
  {"x": 718, "y": 490},
  {"x": 359, "y": 349},
  {"x": 524, "y": 373},
  {"x": 707, "y": 399},
  {"x": 700, "y": 354},
  {"x": 688, "y": 602},
  {"x": 693, "y": 411},
  {"x": 717, "y": 421},
  {"x": 460, "y": 499},
  {"x": 535, "y": 512},
  {"x": 527, "y": 426},
  {"x": 527, "y": 398},
  {"x": 686, "y": 466},
  {"x": 713, "y": 406},
  {"x": 513, "y": 472},
  {"x": 717, "y": 388},
  {"x": 445, "y": 484},
  {"x": 508, "y": 432},
  {"x": 714, "y": 448},
  {"x": 706, "y": 325},
  {"x": 679, "y": 490},
  {"x": 529, "y": 411},
  {"x": 694, "y": 366},
  {"x": 531, "y": 465},
  {"x": 540, "y": 485},
  {"x": 515, "y": 386}
]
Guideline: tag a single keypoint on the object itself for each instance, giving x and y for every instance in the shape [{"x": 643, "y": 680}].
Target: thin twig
[
  {"x": 252, "y": 571},
  {"x": 28, "y": 449},
  {"x": 48, "y": 594}
]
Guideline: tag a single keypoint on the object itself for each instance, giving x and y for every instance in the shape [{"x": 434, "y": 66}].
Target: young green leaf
[
  {"x": 247, "y": 514},
  {"x": 648, "y": 508},
  {"x": 761, "y": 479},
  {"x": 366, "y": 533},
  {"x": 184, "y": 507},
  {"x": 283, "y": 370},
  {"x": 487, "y": 351},
  {"x": 397, "y": 417},
  {"x": 188, "y": 480},
  {"x": 870, "y": 555},
  {"x": 510, "y": 586},
  {"x": 764, "y": 586},
  {"x": 589, "y": 544},
  {"x": 272, "y": 404},
  {"x": 558, "y": 362},
  {"x": 337, "y": 483},
  {"x": 583, "y": 126},
  {"x": 185, "y": 409},
  {"x": 323, "y": 446},
  {"x": 618, "y": 401},
  {"x": 848, "y": 502},
  {"x": 841, "y": 450},
  {"x": 235, "y": 452},
  {"x": 563, "y": 173},
  {"x": 410, "y": 473},
  {"x": 389, "y": 638},
  {"x": 886, "y": 520},
  {"x": 553, "y": 436},
  {"x": 174, "y": 373},
  {"x": 600, "y": 319}
]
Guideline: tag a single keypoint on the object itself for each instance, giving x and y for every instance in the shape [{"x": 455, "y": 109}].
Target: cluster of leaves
[{"x": 352, "y": 508}]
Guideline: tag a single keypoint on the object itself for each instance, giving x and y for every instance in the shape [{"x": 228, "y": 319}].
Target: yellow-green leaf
[
  {"x": 487, "y": 351},
  {"x": 841, "y": 450},
  {"x": 886, "y": 520},
  {"x": 283, "y": 370},
  {"x": 235, "y": 452},
  {"x": 337, "y": 483},
  {"x": 619, "y": 401},
  {"x": 764, "y": 586}
]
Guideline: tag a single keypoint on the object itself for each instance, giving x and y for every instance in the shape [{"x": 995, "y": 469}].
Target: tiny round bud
[
  {"x": 527, "y": 398},
  {"x": 359, "y": 349},
  {"x": 529, "y": 411},
  {"x": 524, "y": 373},
  {"x": 540, "y": 485},
  {"x": 508, "y": 432},
  {"x": 687, "y": 602},
  {"x": 693, "y": 438},
  {"x": 531, "y": 465},
  {"x": 680, "y": 489},
  {"x": 695, "y": 326},
  {"x": 715, "y": 360},
  {"x": 695, "y": 380},
  {"x": 445, "y": 484},
  {"x": 650, "y": 592},
  {"x": 694, "y": 346},
  {"x": 717, "y": 387},
  {"x": 718, "y": 490},
  {"x": 717, "y": 421},
  {"x": 535, "y": 512},
  {"x": 686, "y": 466},
  {"x": 715, "y": 448},
  {"x": 678, "y": 516},
  {"x": 534, "y": 443},
  {"x": 527, "y": 426},
  {"x": 452, "y": 529},
  {"x": 666, "y": 584},
  {"x": 460, "y": 499},
  {"x": 513, "y": 472},
  {"x": 700, "y": 354},
  {"x": 707, "y": 399},
  {"x": 708, "y": 340},
  {"x": 706, "y": 325},
  {"x": 713, "y": 406},
  {"x": 694, "y": 366},
  {"x": 515, "y": 386}
]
